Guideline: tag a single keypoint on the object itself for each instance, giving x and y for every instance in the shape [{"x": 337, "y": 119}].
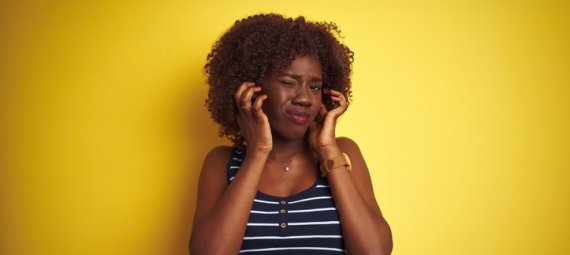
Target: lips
[{"x": 298, "y": 117}]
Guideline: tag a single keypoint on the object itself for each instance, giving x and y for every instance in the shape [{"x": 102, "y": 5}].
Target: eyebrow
[{"x": 296, "y": 76}]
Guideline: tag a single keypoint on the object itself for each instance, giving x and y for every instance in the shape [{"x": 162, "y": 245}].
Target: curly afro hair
[{"x": 260, "y": 45}]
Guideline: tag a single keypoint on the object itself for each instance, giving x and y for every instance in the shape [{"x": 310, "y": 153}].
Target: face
[{"x": 294, "y": 97}]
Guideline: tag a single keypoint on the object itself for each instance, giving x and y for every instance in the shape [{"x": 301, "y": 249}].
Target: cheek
[
  {"x": 271, "y": 105},
  {"x": 266, "y": 107},
  {"x": 318, "y": 100},
  {"x": 275, "y": 98}
]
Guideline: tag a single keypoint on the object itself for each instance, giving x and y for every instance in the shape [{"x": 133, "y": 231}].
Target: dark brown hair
[{"x": 259, "y": 45}]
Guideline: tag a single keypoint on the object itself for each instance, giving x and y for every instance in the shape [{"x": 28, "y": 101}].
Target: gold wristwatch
[{"x": 341, "y": 160}]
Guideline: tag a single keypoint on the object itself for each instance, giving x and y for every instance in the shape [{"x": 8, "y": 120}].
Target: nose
[{"x": 303, "y": 96}]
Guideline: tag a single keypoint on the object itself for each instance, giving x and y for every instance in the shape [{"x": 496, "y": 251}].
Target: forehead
[{"x": 305, "y": 66}]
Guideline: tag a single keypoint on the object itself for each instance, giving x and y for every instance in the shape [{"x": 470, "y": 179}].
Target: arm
[
  {"x": 222, "y": 210},
  {"x": 364, "y": 229}
]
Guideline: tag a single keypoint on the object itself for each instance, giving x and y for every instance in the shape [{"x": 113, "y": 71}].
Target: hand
[
  {"x": 252, "y": 121},
  {"x": 322, "y": 135}
]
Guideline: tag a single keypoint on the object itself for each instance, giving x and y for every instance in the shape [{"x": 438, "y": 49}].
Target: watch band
[{"x": 341, "y": 160}]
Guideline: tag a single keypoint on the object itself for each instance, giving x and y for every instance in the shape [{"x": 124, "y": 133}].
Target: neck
[{"x": 285, "y": 150}]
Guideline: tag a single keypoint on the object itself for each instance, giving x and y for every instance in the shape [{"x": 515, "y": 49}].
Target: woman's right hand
[{"x": 252, "y": 121}]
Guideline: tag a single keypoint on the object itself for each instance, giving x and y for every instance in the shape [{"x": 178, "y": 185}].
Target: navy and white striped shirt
[{"x": 305, "y": 223}]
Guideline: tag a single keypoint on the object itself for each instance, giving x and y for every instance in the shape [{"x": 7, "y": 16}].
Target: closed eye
[{"x": 287, "y": 83}]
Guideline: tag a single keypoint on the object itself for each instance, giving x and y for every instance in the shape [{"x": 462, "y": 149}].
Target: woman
[{"x": 288, "y": 185}]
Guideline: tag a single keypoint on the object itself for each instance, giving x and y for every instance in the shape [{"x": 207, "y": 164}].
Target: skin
[{"x": 275, "y": 139}]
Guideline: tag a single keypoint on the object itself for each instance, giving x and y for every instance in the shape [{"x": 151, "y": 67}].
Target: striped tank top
[{"x": 305, "y": 223}]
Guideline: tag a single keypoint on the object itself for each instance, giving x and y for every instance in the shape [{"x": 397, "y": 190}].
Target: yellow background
[{"x": 461, "y": 108}]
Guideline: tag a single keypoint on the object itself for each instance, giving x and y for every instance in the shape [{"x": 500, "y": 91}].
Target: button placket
[{"x": 283, "y": 223}]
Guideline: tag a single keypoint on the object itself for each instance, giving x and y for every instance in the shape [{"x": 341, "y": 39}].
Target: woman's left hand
[{"x": 322, "y": 135}]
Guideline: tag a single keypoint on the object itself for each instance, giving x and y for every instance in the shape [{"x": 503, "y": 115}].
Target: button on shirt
[{"x": 305, "y": 223}]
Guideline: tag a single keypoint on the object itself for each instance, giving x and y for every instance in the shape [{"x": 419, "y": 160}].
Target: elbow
[
  {"x": 384, "y": 247},
  {"x": 192, "y": 248},
  {"x": 198, "y": 247},
  {"x": 387, "y": 248},
  {"x": 208, "y": 246},
  {"x": 386, "y": 241},
  {"x": 380, "y": 244}
]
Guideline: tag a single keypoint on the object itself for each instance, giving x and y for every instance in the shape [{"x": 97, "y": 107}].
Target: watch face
[{"x": 330, "y": 164}]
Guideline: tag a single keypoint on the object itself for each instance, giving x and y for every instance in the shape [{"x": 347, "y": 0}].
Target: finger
[
  {"x": 245, "y": 100},
  {"x": 337, "y": 111},
  {"x": 334, "y": 92},
  {"x": 340, "y": 101},
  {"x": 241, "y": 89},
  {"x": 258, "y": 111},
  {"x": 247, "y": 95},
  {"x": 238, "y": 95}
]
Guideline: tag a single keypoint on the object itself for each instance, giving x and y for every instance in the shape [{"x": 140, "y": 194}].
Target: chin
[{"x": 291, "y": 134}]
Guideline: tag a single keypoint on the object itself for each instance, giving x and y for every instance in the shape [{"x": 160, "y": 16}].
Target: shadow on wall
[{"x": 200, "y": 135}]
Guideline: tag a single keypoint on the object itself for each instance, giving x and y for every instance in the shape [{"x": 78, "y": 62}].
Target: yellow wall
[{"x": 460, "y": 107}]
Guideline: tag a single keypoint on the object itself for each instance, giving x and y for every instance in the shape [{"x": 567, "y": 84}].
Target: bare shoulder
[
  {"x": 347, "y": 145},
  {"x": 360, "y": 173},
  {"x": 212, "y": 182},
  {"x": 214, "y": 166},
  {"x": 350, "y": 147},
  {"x": 219, "y": 154}
]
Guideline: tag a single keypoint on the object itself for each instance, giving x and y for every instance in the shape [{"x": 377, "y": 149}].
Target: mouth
[{"x": 298, "y": 117}]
